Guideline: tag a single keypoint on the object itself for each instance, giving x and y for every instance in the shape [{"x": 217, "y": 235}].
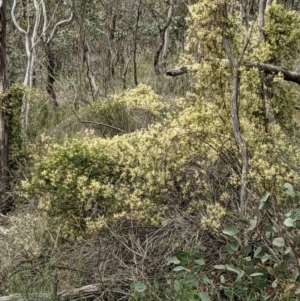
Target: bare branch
[
  {"x": 275, "y": 70},
  {"x": 19, "y": 28},
  {"x": 177, "y": 72},
  {"x": 83, "y": 292},
  {"x": 97, "y": 123},
  {"x": 56, "y": 26},
  {"x": 288, "y": 75}
]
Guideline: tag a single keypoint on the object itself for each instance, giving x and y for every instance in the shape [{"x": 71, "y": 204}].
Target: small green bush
[{"x": 258, "y": 261}]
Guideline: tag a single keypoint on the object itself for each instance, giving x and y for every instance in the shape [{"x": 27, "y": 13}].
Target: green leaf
[
  {"x": 180, "y": 268},
  {"x": 289, "y": 189},
  {"x": 288, "y": 250},
  {"x": 140, "y": 287},
  {"x": 265, "y": 202},
  {"x": 177, "y": 285},
  {"x": 256, "y": 274},
  {"x": 288, "y": 214},
  {"x": 265, "y": 258},
  {"x": 204, "y": 279},
  {"x": 173, "y": 259},
  {"x": 200, "y": 261},
  {"x": 229, "y": 249},
  {"x": 155, "y": 281},
  {"x": 260, "y": 252},
  {"x": 289, "y": 222},
  {"x": 278, "y": 242},
  {"x": 271, "y": 271},
  {"x": 204, "y": 296},
  {"x": 222, "y": 279},
  {"x": 231, "y": 230},
  {"x": 231, "y": 268},
  {"x": 237, "y": 238},
  {"x": 246, "y": 249},
  {"x": 253, "y": 223},
  {"x": 239, "y": 276},
  {"x": 270, "y": 228},
  {"x": 234, "y": 245},
  {"x": 220, "y": 267}
]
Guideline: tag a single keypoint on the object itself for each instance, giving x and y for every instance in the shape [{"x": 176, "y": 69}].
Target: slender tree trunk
[
  {"x": 135, "y": 42},
  {"x": 166, "y": 38},
  {"x": 260, "y": 21},
  {"x": 4, "y": 118},
  {"x": 162, "y": 32},
  {"x": 235, "y": 65},
  {"x": 90, "y": 73},
  {"x": 50, "y": 74}
]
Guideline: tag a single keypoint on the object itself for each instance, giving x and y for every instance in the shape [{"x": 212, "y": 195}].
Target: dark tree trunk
[
  {"x": 139, "y": 10},
  {"x": 50, "y": 74},
  {"x": 5, "y": 204}
]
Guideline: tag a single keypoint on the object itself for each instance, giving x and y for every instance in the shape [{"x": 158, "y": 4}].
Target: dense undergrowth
[{"x": 139, "y": 192}]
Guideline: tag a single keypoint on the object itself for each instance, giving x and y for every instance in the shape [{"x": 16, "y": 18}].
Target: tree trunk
[
  {"x": 162, "y": 32},
  {"x": 235, "y": 65},
  {"x": 260, "y": 21},
  {"x": 139, "y": 10},
  {"x": 4, "y": 147},
  {"x": 50, "y": 74}
]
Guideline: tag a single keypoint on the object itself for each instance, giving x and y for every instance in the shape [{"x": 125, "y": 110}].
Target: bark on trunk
[
  {"x": 260, "y": 21},
  {"x": 139, "y": 11},
  {"x": 4, "y": 118},
  {"x": 235, "y": 112},
  {"x": 50, "y": 74}
]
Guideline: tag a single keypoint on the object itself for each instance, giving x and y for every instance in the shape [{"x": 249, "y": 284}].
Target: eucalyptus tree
[{"x": 36, "y": 27}]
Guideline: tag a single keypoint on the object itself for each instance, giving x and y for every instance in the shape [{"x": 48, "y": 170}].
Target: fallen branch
[
  {"x": 97, "y": 123},
  {"x": 84, "y": 292},
  {"x": 266, "y": 68},
  {"x": 102, "y": 124}
]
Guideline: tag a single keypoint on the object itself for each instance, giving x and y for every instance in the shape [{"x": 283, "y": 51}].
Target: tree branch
[
  {"x": 60, "y": 23},
  {"x": 288, "y": 75},
  {"x": 97, "y": 123}
]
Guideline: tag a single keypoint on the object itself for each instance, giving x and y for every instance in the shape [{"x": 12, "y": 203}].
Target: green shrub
[
  {"x": 131, "y": 110},
  {"x": 259, "y": 259}
]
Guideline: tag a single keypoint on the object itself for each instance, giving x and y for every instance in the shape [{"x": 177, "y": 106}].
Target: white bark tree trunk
[{"x": 31, "y": 41}]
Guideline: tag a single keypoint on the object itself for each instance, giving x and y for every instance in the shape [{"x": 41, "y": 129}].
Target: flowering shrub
[{"x": 187, "y": 158}]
